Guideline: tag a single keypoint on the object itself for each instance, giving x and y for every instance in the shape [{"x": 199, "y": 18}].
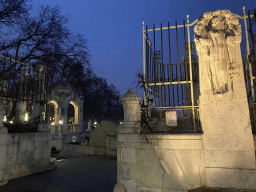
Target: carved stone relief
[{"x": 216, "y": 36}]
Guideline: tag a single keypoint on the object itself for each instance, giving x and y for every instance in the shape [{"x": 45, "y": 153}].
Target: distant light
[
  {"x": 26, "y": 116},
  {"x": 60, "y": 122},
  {"x": 52, "y": 123},
  {"x": 121, "y": 122},
  {"x": 5, "y": 119},
  {"x": 11, "y": 122},
  {"x": 95, "y": 123}
]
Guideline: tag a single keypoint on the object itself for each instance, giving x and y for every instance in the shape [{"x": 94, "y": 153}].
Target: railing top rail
[{"x": 188, "y": 24}]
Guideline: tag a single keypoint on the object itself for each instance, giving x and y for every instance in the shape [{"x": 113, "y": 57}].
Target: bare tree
[{"x": 45, "y": 39}]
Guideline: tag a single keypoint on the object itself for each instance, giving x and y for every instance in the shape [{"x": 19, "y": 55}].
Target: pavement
[{"x": 79, "y": 174}]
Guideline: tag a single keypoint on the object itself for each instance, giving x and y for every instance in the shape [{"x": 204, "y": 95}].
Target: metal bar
[
  {"x": 147, "y": 61},
  {"x": 151, "y": 90},
  {"x": 169, "y": 85},
  {"x": 154, "y": 53},
  {"x": 169, "y": 38},
  {"x": 248, "y": 52},
  {"x": 173, "y": 91},
  {"x": 191, "y": 79},
  {"x": 151, "y": 65},
  {"x": 191, "y": 24},
  {"x": 185, "y": 60},
  {"x": 250, "y": 66},
  {"x": 170, "y": 66},
  {"x": 250, "y": 31},
  {"x": 173, "y": 27},
  {"x": 177, "y": 54},
  {"x": 162, "y": 56},
  {"x": 178, "y": 85},
  {"x": 143, "y": 34},
  {"x": 253, "y": 44}
]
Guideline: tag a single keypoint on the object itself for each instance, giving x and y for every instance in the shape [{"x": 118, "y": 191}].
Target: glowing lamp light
[
  {"x": 95, "y": 123},
  {"x": 60, "y": 122},
  {"x": 26, "y": 116},
  {"x": 52, "y": 123},
  {"x": 121, "y": 122},
  {"x": 11, "y": 122},
  {"x": 5, "y": 119}
]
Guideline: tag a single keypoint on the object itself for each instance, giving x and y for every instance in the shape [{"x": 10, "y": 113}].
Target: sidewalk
[{"x": 83, "y": 174}]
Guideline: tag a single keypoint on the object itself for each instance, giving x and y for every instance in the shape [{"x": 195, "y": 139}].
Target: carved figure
[{"x": 215, "y": 36}]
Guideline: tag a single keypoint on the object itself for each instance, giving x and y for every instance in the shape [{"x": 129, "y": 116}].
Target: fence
[
  {"x": 171, "y": 78},
  {"x": 170, "y": 120},
  {"x": 171, "y": 83},
  {"x": 22, "y": 86},
  {"x": 250, "y": 64}
]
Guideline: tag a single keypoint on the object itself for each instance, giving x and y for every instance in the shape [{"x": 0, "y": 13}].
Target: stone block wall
[
  {"x": 157, "y": 162},
  {"x": 23, "y": 154}
]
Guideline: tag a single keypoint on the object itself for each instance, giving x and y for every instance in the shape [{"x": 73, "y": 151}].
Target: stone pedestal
[
  {"x": 224, "y": 113},
  {"x": 131, "y": 126}
]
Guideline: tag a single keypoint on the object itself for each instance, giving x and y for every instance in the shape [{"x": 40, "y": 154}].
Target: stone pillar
[
  {"x": 224, "y": 113},
  {"x": 128, "y": 130},
  {"x": 132, "y": 115}
]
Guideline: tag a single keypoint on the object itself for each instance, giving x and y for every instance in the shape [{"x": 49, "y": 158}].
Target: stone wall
[
  {"x": 23, "y": 154},
  {"x": 158, "y": 162}
]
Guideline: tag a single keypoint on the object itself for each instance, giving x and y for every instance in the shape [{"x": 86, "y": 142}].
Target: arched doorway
[
  {"x": 72, "y": 116},
  {"x": 52, "y": 116}
]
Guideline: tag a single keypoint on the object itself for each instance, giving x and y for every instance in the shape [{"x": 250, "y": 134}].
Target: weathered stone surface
[
  {"x": 86, "y": 150},
  {"x": 124, "y": 170},
  {"x": 13, "y": 138},
  {"x": 224, "y": 109},
  {"x": 119, "y": 187},
  {"x": 12, "y": 159},
  {"x": 128, "y": 138},
  {"x": 99, "y": 150},
  {"x": 22, "y": 147},
  {"x": 30, "y": 146},
  {"x": 3, "y": 150},
  {"x": 3, "y": 162},
  {"x": 230, "y": 159},
  {"x": 46, "y": 153},
  {"x": 129, "y": 184},
  {"x": 38, "y": 153},
  {"x": 231, "y": 178},
  {"x": 3, "y": 130},
  {"x": 41, "y": 136},
  {"x": 12, "y": 148},
  {"x": 229, "y": 142},
  {"x": 4, "y": 139},
  {"x": 30, "y": 137},
  {"x": 145, "y": 189},
  {"x": 131, "y": 106},
  {"x": 128, "y": 155}
]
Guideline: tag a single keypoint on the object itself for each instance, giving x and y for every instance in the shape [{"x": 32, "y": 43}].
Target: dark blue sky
[{"x": 113, "y": 29}]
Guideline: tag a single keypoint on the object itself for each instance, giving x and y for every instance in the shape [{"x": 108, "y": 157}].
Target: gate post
[
  {"x": 224, "y": 113},
  {"x": 127, "y": 134}
]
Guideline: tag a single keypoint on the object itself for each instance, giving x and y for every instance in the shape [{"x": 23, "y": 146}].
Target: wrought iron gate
[
  {"x": 22, "y": 87},
  {"x": 175, "y": 85}
]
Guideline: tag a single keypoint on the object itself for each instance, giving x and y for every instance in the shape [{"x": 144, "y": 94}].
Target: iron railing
[{"x": 170, "y": 120}]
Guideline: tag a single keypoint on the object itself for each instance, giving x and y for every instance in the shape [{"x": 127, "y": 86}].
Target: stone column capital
[
  {"x": 132, "y": 116},
  {"x": 130, "y": 97}
]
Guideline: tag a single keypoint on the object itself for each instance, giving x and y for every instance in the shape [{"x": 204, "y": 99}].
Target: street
[{"x": 83, "y": 174}]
